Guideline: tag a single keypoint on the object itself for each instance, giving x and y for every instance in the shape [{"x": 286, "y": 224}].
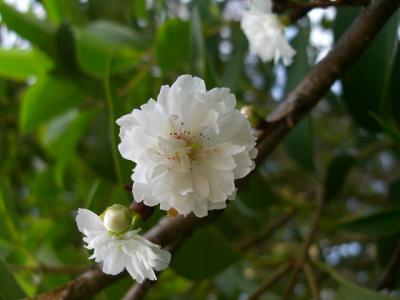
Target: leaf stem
[{"x": 111, "y": 118}]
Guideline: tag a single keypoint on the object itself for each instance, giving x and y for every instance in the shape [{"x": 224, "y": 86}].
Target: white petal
[
  {"x": 163, "y": 260},
  {"x": 191, "y": 83},
  {"x": 200, "y": 184},
  {"x": 136, "y": 141},
  {"x": 88, "y": 221}
]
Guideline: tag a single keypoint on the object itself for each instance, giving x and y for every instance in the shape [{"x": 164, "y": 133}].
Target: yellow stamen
[{"x": 172, "y": 212}]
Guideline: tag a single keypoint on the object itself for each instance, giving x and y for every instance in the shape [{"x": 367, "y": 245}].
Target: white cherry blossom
[
  {"x": 265, "y": 33},
  {"x": 189, "y": 146},
  {"x": 118, "y": 251}
]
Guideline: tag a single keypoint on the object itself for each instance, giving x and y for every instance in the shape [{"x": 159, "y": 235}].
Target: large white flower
[
  {"x": 117, "y": 252},
  {"x": 266, "y": 33},
  {"x": 188, "y": 147}
]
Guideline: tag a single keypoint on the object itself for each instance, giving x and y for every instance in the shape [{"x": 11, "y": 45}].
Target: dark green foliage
[
  {"x": 336, "y": 174},
  {"x": 90, "y": 62},
  {"x": 204, "y": 254}
]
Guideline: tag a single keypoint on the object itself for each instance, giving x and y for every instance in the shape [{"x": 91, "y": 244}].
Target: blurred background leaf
[{"x": 69, "y": 69}]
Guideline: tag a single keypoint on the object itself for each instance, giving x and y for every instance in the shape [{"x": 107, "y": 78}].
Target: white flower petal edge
[
  {"x": 129, "y": 250},
  {"x": 266, "y": 33},
  {"x": 188, "y": 147}
]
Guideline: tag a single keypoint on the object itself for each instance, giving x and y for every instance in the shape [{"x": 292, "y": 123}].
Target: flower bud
[
  {"x": 256, "y": 121},
  {"x": 117, "y": 218}
]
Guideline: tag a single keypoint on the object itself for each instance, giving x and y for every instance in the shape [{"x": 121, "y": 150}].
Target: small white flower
[
  {"x": 265, "y": 33},
  {"x": 188, "y": 147},
  {"x": 119, "y": 251}
]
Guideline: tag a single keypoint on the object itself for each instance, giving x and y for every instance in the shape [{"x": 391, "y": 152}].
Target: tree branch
[
  {"x": 303, "y": 257},
  {"x": 267, "y": 232},
  {"x": 311, "y": 281},
  {"x": 299, "y": 102},
  {"x": 270, "y": 281}
]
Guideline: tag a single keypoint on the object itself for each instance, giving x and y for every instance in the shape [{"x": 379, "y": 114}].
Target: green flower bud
[{"x": 117, "y": 218}]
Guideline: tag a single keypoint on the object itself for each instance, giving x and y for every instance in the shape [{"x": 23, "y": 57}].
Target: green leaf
[
  {"x": 299, "y": 144},
  {"x": 234, "y": 68},
  {"x": 350, "y": 291},
  {"x": 380, "y": 224},
  {"x": 365, "y": 83},
  {"x": 204, "y": 254},
  {"x": 64, "y": 10},
  {"x": 116, "y": 35},
  {"x": 336, "y": 174},
  {"x": 172, "y": 44},
  {"x": 22, "y": 64},
  {"x": 140, "y": 9},
  {"x": 391, "y": 95},
  {"x": 46, "y": 99},
  {"x": 64, "y": 147},
  {"x": 256, "y": 194},
  {"x": 386, "y": 246},
  {"x": 300, "y": 66},
  {"x": 9, "y": 288},
  {"x": 197, "y": 47},
  {"x": 388, "y": 128},
  {"x": 394, "y": 192},
  {"x": 8, "y": 218},
  {"x": 25, "y": 25},
  {"x": 103, "y": 39}
]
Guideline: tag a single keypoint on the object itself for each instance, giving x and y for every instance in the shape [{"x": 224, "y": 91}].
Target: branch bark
[{"x": 299, "y": 102}]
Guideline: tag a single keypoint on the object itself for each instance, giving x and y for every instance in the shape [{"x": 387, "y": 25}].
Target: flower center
[{"x": 182, "y": 143}]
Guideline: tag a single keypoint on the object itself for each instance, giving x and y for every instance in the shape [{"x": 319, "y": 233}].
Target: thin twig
[
  {"x": 374, "y": 148},
  {"x": 270, "y": 281},
  {"x": 392, "y": 265},
  {"x": 306, "y": 245},
  {"x": 111, "y": 118},
  {"x": 311, "y": 281},
  {"x": 268, "y": 231}
]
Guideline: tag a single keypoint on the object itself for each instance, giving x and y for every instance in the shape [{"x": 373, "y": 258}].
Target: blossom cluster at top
[{"x": 265, "y": 33}]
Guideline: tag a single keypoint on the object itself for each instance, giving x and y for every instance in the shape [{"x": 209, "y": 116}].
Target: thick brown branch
[
  {"x": 310, "y": 90},
  {"x": 299, "y": 102},
  {"x": 48, "y": 269},
  {"x": 82, "y": 287}
]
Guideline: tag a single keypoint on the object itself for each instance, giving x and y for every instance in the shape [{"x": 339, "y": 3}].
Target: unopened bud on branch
[
  {"x": 117, "y": 218},
  {"x": 256, "y": 121}
]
